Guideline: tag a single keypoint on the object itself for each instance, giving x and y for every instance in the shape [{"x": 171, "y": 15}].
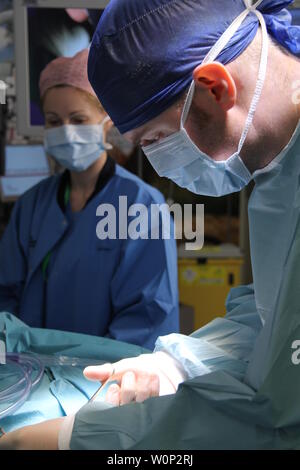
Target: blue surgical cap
[{"x": 144, "y": 52}]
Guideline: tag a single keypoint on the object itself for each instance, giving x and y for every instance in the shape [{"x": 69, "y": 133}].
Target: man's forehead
[{"x": 167, "y": 120}]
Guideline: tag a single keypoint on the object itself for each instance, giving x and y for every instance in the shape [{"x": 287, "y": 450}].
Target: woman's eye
[
  {"x": 79, "y": 120},
  {"x": 53, "y": 123}
]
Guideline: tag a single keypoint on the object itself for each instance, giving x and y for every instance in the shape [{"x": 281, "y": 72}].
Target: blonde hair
[{"x": 91, "y": 99}]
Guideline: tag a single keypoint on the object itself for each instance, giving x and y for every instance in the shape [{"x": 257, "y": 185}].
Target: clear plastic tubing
[
  {"x": 18, "y": 393},
  {"x": 16, "y": 386},
  {"x": 69, "y": 361}
]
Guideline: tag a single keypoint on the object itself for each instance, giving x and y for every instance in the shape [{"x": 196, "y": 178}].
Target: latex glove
[{"x": 140, "y": 378}]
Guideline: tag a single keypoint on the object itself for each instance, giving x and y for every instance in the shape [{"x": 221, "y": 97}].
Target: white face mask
[
  {"x": 177, "y": 157},
  {"x": 76, "y": 147}
]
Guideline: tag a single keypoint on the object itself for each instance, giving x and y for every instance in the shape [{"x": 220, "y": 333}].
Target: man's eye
[{"x": 146, "y": 142}]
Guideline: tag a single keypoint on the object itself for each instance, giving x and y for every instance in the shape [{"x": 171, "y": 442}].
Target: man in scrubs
[{"x": 209, "y": 89}]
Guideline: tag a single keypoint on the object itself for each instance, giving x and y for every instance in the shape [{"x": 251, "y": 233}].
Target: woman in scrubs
[{"x": 55, "y": 272}]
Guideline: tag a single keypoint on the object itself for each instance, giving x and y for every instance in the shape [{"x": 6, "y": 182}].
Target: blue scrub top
[{"x": 122, "y": 289}]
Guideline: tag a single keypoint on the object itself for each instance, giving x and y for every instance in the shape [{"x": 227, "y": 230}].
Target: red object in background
[{"x": 77, "y": 14}]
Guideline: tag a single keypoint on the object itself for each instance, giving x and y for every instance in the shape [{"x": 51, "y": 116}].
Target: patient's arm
[{"x": 43, "y": 436}]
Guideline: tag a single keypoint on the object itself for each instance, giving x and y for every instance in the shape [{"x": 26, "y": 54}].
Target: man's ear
[{"x": 218, "y": 81}]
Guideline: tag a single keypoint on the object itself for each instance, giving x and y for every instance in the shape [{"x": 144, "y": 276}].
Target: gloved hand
[{"x": 148, "y": 375}]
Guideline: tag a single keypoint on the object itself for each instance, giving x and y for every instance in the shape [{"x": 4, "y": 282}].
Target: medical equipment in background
[
  {"x": 6, "y": 36},
  {"x": 59, "y": 35},
  {"x": 24, "y": 167},
  {"x": 205, "y": 279},
  {"x": 3, "y": 121},
  {"x": 6, "y": 16}
]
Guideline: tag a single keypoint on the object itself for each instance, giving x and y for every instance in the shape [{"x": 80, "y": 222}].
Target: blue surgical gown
[
  {"x": 249, "y": 397},
  {"x": 121, "y": 289}
]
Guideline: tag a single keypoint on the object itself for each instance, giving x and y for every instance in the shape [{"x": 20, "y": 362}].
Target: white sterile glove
[{"x": 139, "y": 378}]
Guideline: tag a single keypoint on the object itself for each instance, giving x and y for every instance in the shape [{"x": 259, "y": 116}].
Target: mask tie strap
[{"x": 260, "y": 81}]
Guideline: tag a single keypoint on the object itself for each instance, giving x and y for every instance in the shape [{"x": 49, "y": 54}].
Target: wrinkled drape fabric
[{"x": 63, "y": 389}]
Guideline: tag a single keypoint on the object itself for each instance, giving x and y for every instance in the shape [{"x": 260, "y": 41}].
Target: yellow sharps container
[{"x": 205, "y": 279}]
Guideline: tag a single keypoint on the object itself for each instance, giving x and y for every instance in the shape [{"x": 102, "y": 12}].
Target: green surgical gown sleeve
[{"x": 224, "y": 344}]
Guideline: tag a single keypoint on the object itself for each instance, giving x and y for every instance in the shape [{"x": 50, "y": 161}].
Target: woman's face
[{"x": 66, "y": 105}]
